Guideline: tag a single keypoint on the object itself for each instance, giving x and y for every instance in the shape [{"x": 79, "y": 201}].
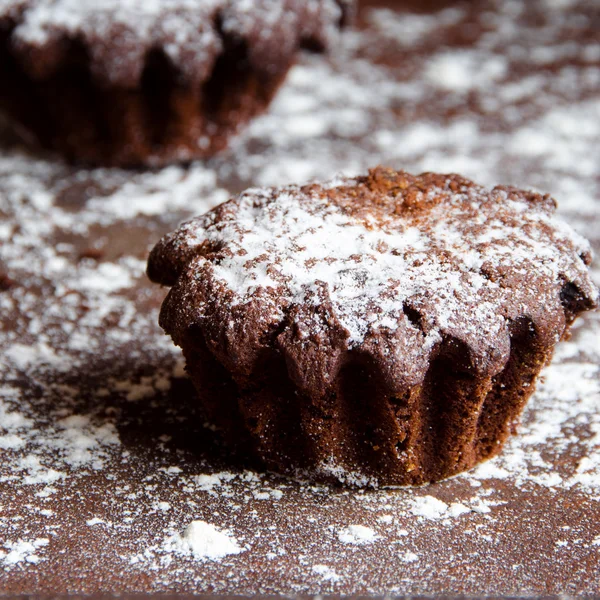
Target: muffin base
[{"x": 364, "y": 434}]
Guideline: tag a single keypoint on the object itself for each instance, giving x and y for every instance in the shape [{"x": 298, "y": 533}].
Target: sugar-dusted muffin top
[
  {"x": 117, "y": 35},
  {"x": 389, "y": 263}
]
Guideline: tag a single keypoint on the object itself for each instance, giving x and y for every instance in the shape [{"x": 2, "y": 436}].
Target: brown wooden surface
[{"x": 528, "y": 115}]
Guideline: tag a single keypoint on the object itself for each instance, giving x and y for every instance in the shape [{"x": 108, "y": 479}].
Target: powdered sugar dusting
[{"x": 298, "y": 240}]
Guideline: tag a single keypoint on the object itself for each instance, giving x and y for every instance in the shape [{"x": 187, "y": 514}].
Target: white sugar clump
[
  {"x": 432, "y": 508},
  {"x": 358, "y": 535},
  {"x": 205, "y": 542},
  {"x": 428, "y": 507},
  {"x": 22, "y": 551},
  {"x": 409, "y": 557},
  {"x": 326, "y": 573},
  {"x": 462, "y": 70},
  {"x": 207, "y": 482}
]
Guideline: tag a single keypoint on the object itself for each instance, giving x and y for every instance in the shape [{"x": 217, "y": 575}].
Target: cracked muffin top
[{"x": 389, "y": 264}]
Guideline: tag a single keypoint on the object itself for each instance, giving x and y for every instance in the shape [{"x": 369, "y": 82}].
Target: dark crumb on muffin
[
  {"x": 133, "y": 82},
  {"x": 382, "y": 330}
]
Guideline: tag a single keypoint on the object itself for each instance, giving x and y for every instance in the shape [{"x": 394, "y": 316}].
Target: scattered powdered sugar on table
[
  {"x": 104, "y": 465},
  {"x": 567, "y": 396},
  {"x": 50, "y": 446}
]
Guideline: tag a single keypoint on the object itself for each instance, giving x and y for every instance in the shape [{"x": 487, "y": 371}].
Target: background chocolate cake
[
  {"x": 104, "y": 462},
  {"x": 132, "y": 82}
]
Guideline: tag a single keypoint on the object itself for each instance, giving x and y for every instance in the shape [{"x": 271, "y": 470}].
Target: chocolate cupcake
[
  {"x": 133, "y": 82},
  {"x": 383, "y": 330}
]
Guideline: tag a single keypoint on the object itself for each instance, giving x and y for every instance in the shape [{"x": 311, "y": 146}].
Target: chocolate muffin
[
  {"x": 382, "y": 330},
  {"x": 133, "y": 82}
]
